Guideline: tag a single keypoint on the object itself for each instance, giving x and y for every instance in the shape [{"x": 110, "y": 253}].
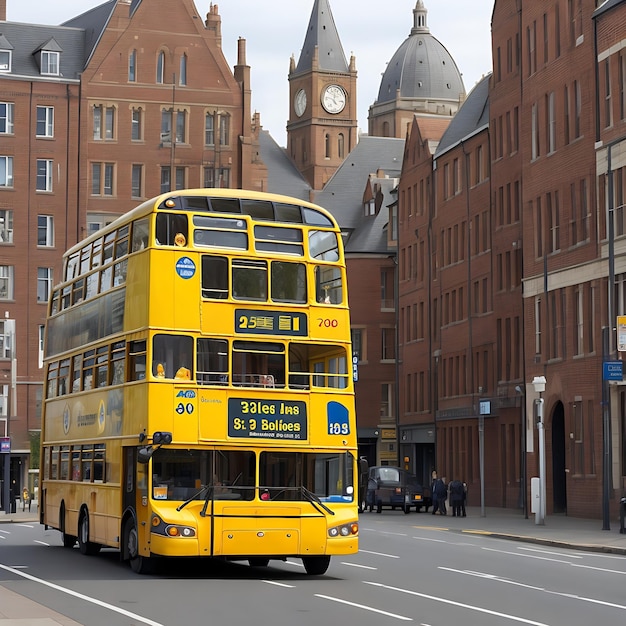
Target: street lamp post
[{"x": 539, "y": 383}]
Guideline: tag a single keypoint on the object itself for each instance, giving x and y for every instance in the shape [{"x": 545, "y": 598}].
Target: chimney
[{"x": 3, "y": 10}]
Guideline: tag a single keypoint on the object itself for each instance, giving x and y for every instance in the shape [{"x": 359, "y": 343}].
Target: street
[{"x": 406, "y": 570}]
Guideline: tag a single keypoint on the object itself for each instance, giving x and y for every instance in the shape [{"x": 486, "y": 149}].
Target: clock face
[
  {"x": 334, "y": 99},
  {"x": 299, "y": 103}
]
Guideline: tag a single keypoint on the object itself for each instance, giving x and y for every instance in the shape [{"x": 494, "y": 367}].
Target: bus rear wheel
[
  {"x": 138, "y": 563},
  {"x": 84, "y": 545},
  {"x": 315, "y": 565}
]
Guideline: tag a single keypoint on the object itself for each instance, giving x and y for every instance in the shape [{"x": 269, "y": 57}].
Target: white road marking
[
  {"x": 364, "y": 607},
  {"x": 273, "y": 582},
  {"x": 43, "y": 543},
  {"x": 389, "y": 556},
  {"x": 81, "y": 596},
  {"x": 358, "y": 565},
  {"x": 478, "y": 609}
]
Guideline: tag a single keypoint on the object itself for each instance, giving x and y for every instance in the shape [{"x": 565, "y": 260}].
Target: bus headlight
[
  {"x": 345, "y": 530},
  {"x": 159, "y": 527}
]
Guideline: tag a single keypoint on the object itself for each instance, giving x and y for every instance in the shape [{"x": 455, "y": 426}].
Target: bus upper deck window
[
  {"x": 328, "y": 284},
  {"x": 172, "y": 356},
  {"x": 171, "y": 230},
  {"x": 323, "y": 245},
  {"x": 140, "y": 234}
]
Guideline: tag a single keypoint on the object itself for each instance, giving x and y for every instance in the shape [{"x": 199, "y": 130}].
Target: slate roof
[
  {"x": 471, "y": 118},
  {"x": 282, "y": 175},
  {"x": 26, "y": 39},
  {"x": 343, "y": 193},
  {"x": 322, "y": 33}
]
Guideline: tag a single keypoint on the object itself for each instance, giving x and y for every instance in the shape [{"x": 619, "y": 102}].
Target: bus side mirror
[{"x": 144, "y": 454}]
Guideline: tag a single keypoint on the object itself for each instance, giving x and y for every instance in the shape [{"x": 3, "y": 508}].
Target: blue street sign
[{"x": 613, "y": 370}]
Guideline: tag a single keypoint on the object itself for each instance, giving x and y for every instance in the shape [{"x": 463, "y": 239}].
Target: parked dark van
[{"x": 394, "y": 487}]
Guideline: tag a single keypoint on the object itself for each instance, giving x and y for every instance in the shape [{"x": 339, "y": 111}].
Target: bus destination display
[
  {"x": 270, "y": 322},
  {"x": 267, "y": 419}
]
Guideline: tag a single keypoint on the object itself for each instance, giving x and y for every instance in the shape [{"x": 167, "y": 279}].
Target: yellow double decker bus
[{"x": 199, "y": 398}]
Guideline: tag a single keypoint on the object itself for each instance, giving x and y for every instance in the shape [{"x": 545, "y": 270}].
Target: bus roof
[{"x": 148, "y": 206}]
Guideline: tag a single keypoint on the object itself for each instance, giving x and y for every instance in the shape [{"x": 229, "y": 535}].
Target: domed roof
[{"x": 421, "y": 67}]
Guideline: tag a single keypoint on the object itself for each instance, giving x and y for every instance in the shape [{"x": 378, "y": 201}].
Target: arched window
[
  {"x": 160, "y": 67},
  {"x": 327, "y": 145},
  {"x": 341, "y": 146},
  {"x": 183, "y": 70}
]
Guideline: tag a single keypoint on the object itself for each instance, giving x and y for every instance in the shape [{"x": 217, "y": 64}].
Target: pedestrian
[
  {"x": 464, "y": 499},
  {"x": 433, "y": 495},
  {"x": 441, "y": 493},
  {"x": 456, "y": 497}
]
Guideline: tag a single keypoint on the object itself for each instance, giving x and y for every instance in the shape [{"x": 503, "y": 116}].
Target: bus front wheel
[
  {"x": 84, "y": 545},
  {"x": 315, "y": 565},
  {"x": 138, "y": 563}
]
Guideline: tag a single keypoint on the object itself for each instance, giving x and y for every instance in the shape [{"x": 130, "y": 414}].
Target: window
[
  {"x": 172, "y": 356},
  {"x": 166, "y": 176},
  {"x": 5, "y": 60},
  {"x": 103, "y": 122},
  {"x": 102, "y": 179},
  {"x": 209, "y": 132},
  {"x": 180, "y": 173},
  {"x": 132, "y": 66},
  {"x": 6, "y": 171},
  {"x": 181, "y": 126},
  {"x": 224, "y": 130},
  {"x": 160, "y": 68},
  {"x": 358, "y": 343},
  {"x": 7, "y": 333},
  {"x": 44, "y": 174},
  {"x": 136, "y": 126},
  {"x": 137, "y": 181},
  {"x": 166, "y": 126},
  {"x": 45, "y": 230},
  {"x": 49, "y": 62},
  {"x": 6, "y": 282},
  {"x": 45, "y": 121},
  {"x": 388, "y": 344},
  {"x": 44, "y": 283},
  {"x": 209, "y": 177},
  {"x": 6, "y": 118},
  {"x": 183, "y": 70},
  {"x": 6, "y": 226}
]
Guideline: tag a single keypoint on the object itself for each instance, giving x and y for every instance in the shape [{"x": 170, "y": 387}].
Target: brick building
[{"x": 97, "y": 115}]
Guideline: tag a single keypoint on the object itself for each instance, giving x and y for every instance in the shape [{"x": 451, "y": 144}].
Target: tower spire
[{"x": 322, "y": 34}]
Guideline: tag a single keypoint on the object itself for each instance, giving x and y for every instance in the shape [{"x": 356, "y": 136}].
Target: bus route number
[
  {"x": 338, "y": 428},
  {"x": 326, "y": 322}
]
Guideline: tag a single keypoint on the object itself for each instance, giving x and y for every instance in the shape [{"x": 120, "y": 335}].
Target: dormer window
[
  {"x": 48, "y": 56},
  {"x": 5, "y": 60},
  {"x": 49, "y": 63}
]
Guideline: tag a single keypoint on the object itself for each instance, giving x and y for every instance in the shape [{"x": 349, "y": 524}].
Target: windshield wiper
[
  {"x": 180, "y": 507},
  {"x": 314, "y": 500}
]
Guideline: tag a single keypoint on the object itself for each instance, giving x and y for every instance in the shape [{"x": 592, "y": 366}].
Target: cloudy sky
[{"x": 275, "y": 29}]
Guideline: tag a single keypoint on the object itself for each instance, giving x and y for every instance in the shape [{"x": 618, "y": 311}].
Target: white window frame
[
  {"x": 6, "y": 226},
  {"x": 5, "y": 60},
  {"x": 6, "y": 172},
  {"x": 50, "y": 62},
  {"x": 45, "y": 231},
  {"x": 44, "y": 175},
  {"x": 47, "y": 122},
  {"x": 6, "y": 118},
  {"x": 44, "y": 283},
  {"x": 6, "y": 282}
]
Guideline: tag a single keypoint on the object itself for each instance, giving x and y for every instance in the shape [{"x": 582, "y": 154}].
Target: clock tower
[{"x": 322, "y": 127}]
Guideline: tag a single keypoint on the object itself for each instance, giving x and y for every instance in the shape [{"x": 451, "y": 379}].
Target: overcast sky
[{"x": 372, "y": 30}]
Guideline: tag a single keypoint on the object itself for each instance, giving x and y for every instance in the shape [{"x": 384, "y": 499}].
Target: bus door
[{"x": 135, "y": 494}]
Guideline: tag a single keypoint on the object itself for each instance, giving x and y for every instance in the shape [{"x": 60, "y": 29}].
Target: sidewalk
[{"x": 558, "y": 531}]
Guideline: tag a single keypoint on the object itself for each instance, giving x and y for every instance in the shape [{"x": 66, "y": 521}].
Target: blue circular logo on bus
[{"x": 185, "y": 267}]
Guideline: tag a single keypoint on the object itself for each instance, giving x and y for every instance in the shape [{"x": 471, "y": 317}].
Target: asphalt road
[{"x": 406, "y": 571}]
